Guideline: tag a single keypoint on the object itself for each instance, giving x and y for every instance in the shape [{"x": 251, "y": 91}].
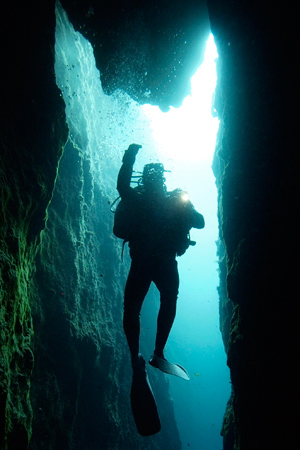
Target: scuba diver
[{"x": 159, "y": 224}]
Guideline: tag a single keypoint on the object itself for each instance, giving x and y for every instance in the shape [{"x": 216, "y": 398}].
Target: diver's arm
[
  {"x": 192, "y": 217},
  {"x": 125, "y": 173},
  {"x": 124, "y": 177},
  {"x": 197, "y": 220}
]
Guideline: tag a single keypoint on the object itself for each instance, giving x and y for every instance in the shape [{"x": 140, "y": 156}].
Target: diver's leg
[
  {"x": 137, "y": 285},
  {"x": 167, "y": 282}
]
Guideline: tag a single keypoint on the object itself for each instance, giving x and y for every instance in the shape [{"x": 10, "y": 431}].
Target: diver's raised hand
[
  {"x": 130, "y": 153},
  {"x": 134, "y": 148}
]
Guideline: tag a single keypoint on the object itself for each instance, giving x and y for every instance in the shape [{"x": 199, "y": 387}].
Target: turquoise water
[{"x": 102, "y": 127}]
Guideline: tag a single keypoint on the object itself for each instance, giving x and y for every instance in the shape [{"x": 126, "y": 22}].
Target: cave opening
[{"x": 101, "y": 128}]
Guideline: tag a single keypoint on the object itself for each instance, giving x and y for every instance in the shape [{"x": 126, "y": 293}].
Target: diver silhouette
[{"x": 162, "y": 221}]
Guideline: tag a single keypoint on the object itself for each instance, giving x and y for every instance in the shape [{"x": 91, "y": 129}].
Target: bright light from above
[
  {"x": 185, "y": 196},
  {"x": 189, "y": 132}
]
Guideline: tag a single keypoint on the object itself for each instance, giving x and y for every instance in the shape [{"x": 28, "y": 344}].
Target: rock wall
[
  {"x": 148, "y": 49},
  {"x": 33, "y": 132},
  {"x": 257, "y": 184}
]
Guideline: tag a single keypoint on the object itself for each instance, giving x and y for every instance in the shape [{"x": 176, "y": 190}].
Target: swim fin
[
  {"x": 143, "y": 404},
  {"x": 168, "y": 367}
]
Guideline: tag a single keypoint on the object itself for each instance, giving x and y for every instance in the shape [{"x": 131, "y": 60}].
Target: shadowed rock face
[
  {"x": 257, "y": 189},
  {"x": 33, "y": 132},
  {"x": 148, "y": 49},
  {"x": 256, "y": 177}
]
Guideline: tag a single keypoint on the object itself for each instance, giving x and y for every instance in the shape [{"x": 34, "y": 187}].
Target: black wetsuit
[{"x": 153, "y": 250}]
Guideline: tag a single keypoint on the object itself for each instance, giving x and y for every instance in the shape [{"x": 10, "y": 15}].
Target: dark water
[{"x": 106, "y": 126}]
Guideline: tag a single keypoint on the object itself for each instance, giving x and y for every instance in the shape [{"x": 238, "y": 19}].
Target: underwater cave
[{"x": 73, "y": 99}]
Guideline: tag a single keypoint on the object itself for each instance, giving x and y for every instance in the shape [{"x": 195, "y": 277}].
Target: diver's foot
[
  {"x": 154, "y": 359},
  {"x": 168, "y": 367}
]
